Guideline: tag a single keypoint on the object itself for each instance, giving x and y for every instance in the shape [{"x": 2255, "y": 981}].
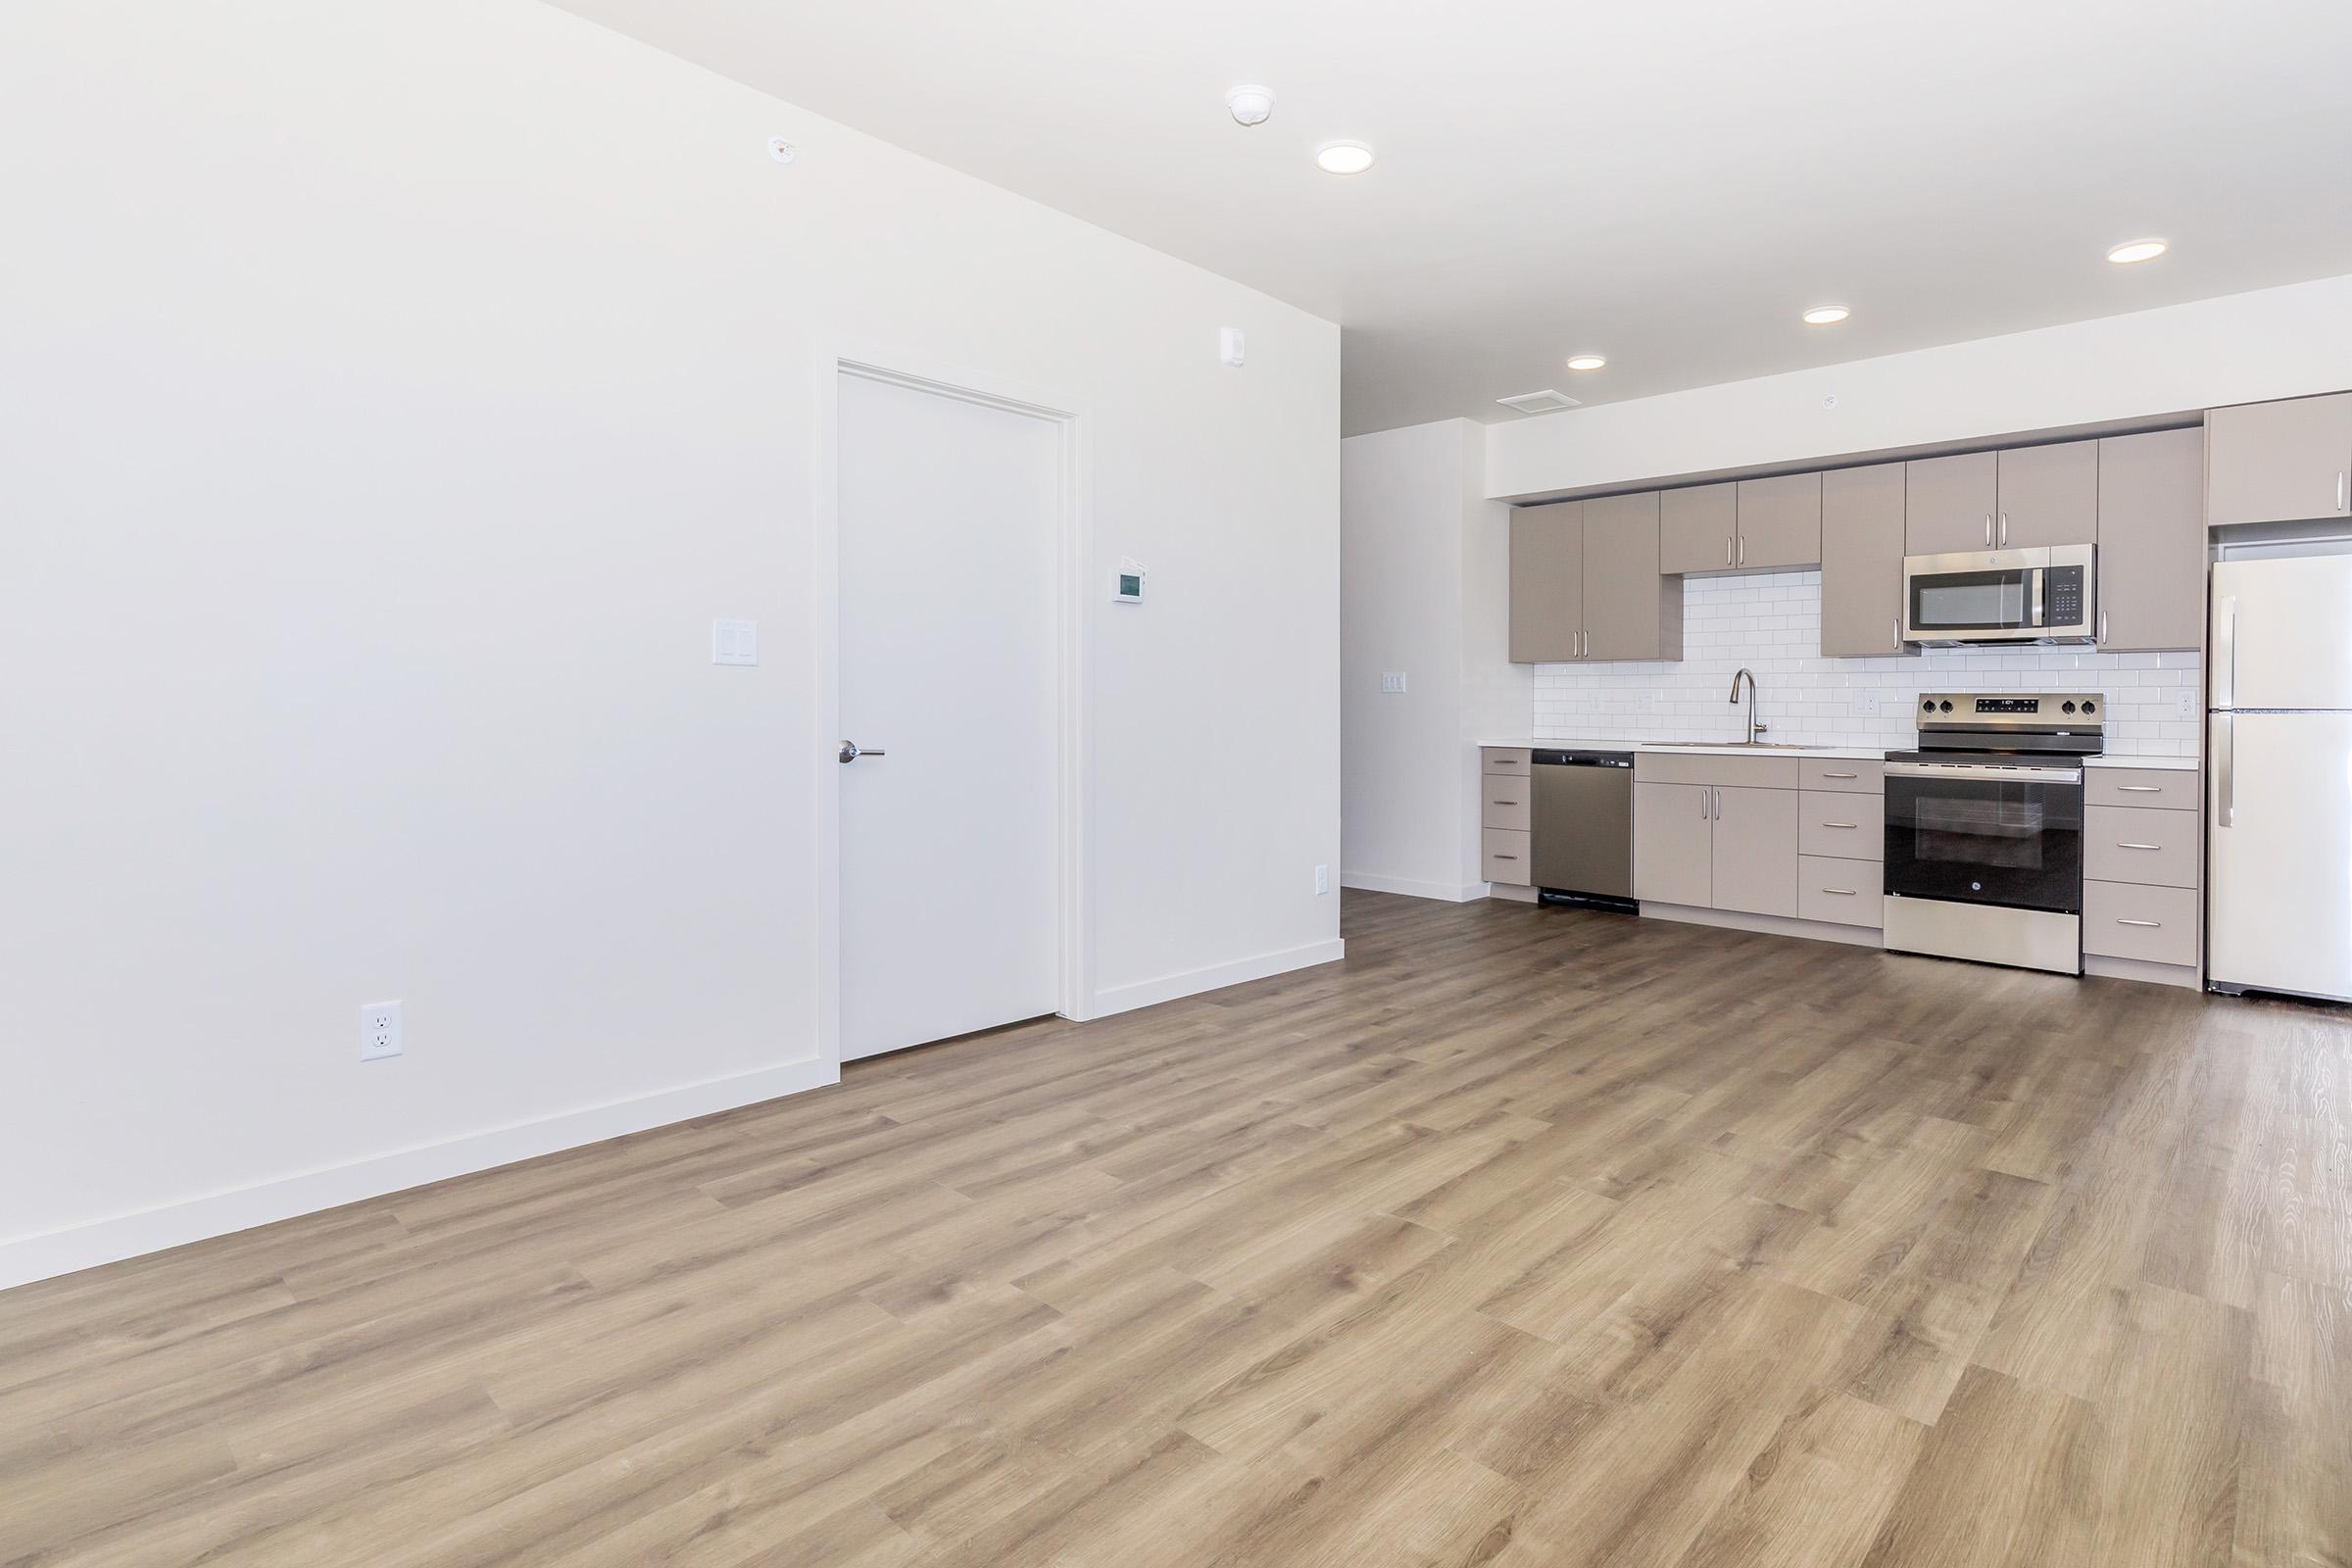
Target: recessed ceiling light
[
  {"x": 1344, "y": 157},
  {"x": 1587, "y": 362},
  {"x": 1826, "y": 314},
  {"x": 2137, "y": 250}
]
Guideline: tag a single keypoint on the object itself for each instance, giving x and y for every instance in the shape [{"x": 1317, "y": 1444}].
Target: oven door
[{"x": 2010, "y": 837}]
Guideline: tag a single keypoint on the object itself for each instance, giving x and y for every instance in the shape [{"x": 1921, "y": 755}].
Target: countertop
[{"x": 1848, "y": 753}]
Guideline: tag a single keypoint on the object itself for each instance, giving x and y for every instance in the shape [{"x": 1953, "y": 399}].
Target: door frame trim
[{"x": 1074, "y": 942}]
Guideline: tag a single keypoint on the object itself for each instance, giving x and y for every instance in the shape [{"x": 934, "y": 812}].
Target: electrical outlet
[
  {"x": 2187, "y": 697},
  {"x": 1392, "y": 680},
  {"x": 1642, "y": 702},
  {"x": 379, "y": 1030},
  {"x": 1322, "y": 879},
  {"x": 1866, "y": 704}
]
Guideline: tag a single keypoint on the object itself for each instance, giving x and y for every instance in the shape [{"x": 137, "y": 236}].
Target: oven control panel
[{"x": 2043, "y": 710}]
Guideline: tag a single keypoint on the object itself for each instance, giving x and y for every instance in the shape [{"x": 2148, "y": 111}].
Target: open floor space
[{"x": 1524, "y": 1236}]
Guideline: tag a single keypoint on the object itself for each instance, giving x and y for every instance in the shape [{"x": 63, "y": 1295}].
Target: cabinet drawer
[
  {"x": 1852, "y": 827},
  {"x": 1709, "y": 768},
  {"x": 1505, "y": 802},
  {"x": 1512, "y": 761},
  {"x": 2170, "y": 789},
  {"x": 2132, "y": 844},
  {"x": 1508, "y": 858},
  {"x": 2155, "y": 925},
  {"x": 1830, "y": 774},
  {"x": 1841, "y": 892}
]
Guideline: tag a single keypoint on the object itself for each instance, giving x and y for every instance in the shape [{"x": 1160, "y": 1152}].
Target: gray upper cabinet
[
  {"x": 1547, "y": 582},
  {"x": 1950, "y": 503},
  {"x": 2049, "y": 495},
  {"x": 2280, "y": 462},
  {"x": 1698, "y": 528},
  {"x": 1862, "y": 561},
  {"x": 1632, "y": 610},
  {"x": 1780, "y": 522},
  {"x": 2151, "y": 541}
]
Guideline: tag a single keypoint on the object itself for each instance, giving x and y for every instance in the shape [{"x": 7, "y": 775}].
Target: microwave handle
[{"x": 2034, "y": 615}]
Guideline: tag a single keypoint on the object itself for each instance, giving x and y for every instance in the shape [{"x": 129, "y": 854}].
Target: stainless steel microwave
[{"x": 2001, "y": 596}]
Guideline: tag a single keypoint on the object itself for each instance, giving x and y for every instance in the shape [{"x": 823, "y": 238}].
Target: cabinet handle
[
  {"x": 2102, "y": 636},
  {"x": 1727, "y": 549},
  {"x": 2141, "y": 789},
  {"x": 1843, "y": 892},
  {"x": 1501, "y": 857},
  {"x": 1719, "y": 806},
  {"x": 1744, "y": 545},
  {"x": 1897, "y": 624},
  {"x": 2004, "y": 529},
  {"x": 2150, "y": 924},
  {"x": 1702, "y": 805},
  {"x": 1841, "y": 775},
  {"x": 1515, "y": 802},
  {"x": 2120, "y": 844},
  {"x": 1988, "y": 530},
  {"x": 1836, "y": 825}
]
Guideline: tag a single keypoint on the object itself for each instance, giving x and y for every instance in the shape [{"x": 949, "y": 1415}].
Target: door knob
[{"x": 850, "y": 750}]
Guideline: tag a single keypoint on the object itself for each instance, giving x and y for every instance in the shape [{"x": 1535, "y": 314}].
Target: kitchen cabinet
[
  {"x": 1780, "y": 522},
  {"x": 1673, "y": 843},
  {"x": 1948, "y": 503},
  {"x": 1547, "y": 582},
  {"x": 2151, "y": 541},
  {"x": 1698, "y": 528},
  {"x": 1586, "y": 584},
  {"x": 1632, "y": 610},
  {"x": 1862, "y": 561},
  {"x": 2048, "y": 495},
  {"x": 1753, "y": 863},
  {"x": 2279, "y": 461}
]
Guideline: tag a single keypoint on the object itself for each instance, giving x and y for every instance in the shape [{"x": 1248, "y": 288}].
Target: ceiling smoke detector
[
  {"x": 1251, "y": 105},
  {"x": 1544, "y": 402}
]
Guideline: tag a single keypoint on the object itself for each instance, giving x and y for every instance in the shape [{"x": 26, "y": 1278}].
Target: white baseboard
[
  {"x": 1451, "y": 892},
  {"x": 152, "y": 1230},
  {"x": 1191, "y": 982}
]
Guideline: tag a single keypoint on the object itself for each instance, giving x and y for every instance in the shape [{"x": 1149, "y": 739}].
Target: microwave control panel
[{"x": 2062, "y": 597}]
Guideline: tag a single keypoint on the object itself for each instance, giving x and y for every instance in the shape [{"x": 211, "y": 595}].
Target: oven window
[
  {"x": 1968, "y": 600},
  {"x": 1974, "y": 841}
]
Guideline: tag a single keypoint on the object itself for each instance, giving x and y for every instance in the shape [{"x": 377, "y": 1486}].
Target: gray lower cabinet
[
  {"x": 1753, "y": 863},
  {"x": 1673, "y": 843},
  {"x": 1862, "y": 561},
  {"x": 1950, "y": 503},
  {"x": 1780, "y": 522},
  {"x": 1547, "y": 582},
  {"x": 2151, "y": 541},
  {"x": 2281, "y": 461},
  {"x": 1698, "y": 528},
  {"x": 2049, "y": 495}
]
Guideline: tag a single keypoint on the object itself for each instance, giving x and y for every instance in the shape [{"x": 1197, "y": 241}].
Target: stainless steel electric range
[{"x": 1985, "y": 828}]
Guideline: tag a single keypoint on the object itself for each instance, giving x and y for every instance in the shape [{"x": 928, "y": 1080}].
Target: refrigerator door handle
[
  {"x": 2225, "y": 652},
  {"x": 2225, "y": 772}
]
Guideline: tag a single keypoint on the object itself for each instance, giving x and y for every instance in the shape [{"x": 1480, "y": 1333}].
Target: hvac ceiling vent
[{"x": 1544, "y": 402}]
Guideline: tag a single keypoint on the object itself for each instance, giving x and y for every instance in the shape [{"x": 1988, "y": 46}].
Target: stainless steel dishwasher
[{"x": 1582, "y": 828}]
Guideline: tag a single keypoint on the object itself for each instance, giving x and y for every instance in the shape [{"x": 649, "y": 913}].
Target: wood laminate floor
[{"x": 1527, "y": 1237}]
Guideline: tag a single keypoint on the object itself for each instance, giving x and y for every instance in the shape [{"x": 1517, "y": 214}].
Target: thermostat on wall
[{"x": 1127, "y": 583}]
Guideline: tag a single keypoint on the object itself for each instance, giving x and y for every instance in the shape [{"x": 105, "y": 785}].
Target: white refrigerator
[{"x": 2278, "y": 777}]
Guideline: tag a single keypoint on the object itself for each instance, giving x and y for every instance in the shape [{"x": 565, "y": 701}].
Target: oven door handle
[{"x": 1987, "y": 775}]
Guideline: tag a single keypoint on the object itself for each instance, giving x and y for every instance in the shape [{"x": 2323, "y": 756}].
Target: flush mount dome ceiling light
[
  {"x": 1826, "y": 314},
  {"x": 1250, "y": 104},
  {"x": 2137, "y": 250},
  {"x": 1343, "y": 158},
  {"x": 1587, "y": 362}
]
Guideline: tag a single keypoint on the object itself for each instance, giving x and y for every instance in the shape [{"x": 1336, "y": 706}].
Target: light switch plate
[
  {"x": 2185, "y": 701},
  {"x": 1392, "y": 680},
  {"x": 734, "y": 642},
  {"x": 1866, "y": 704}
]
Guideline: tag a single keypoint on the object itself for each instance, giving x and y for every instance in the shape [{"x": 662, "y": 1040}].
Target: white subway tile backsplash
[{"x": 1771, "y": 622}]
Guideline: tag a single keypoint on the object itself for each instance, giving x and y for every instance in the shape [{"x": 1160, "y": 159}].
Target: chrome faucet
[{"x": 1754, "y": 729}]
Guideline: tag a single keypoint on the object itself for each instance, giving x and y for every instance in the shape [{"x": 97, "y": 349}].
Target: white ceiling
[{"x": 1665, "y": 183}]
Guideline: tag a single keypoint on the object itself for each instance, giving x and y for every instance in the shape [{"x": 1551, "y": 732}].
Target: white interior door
[{"x": 950, "y": 527}]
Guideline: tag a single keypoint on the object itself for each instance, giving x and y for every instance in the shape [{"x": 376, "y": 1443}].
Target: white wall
[
  {"x": 391, "y": 393},
  {"x": 1425, "y": 588},
  {"x": 2244, "y": 348},
  {"x": 1770, "y": 622}
]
